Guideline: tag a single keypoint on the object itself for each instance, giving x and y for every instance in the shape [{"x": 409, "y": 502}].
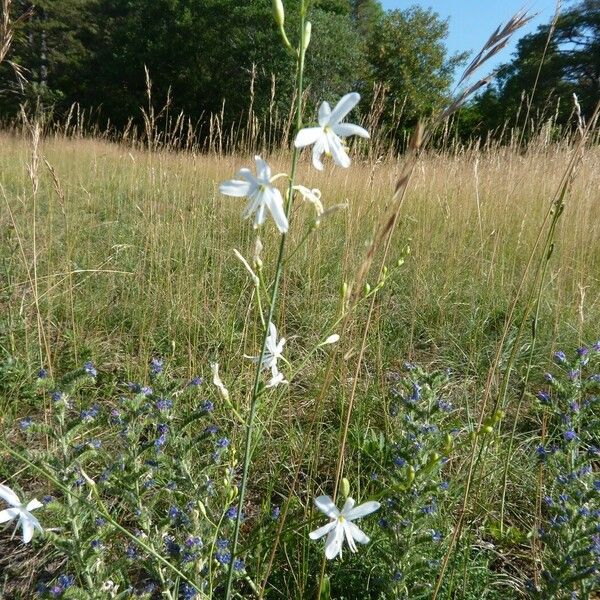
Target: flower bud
[
  {"x": 345, "y": 487},
  {"x": 367, "y": 289},
  {"x": 278, "y": 12},
  {"x": 332, "y": 339},
  {"x": 307, "y": 32},
  {"x": 202, "y": 508}
]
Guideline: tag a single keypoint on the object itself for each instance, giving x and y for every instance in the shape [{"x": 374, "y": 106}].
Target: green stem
[{"x": 274, "y": 292}]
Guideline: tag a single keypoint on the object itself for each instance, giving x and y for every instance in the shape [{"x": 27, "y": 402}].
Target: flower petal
[
  {"x": 319, "y": 533},
  {"x": 236, "y": 188},
  {"x": 335, "y": 539},
  {"x": 28, "y": 527},
  {"x": 318, "y": 149},
  {"x": 348, "y": 129},
  {"x": 348, "y": 506},
  {"x": 9, "y": 496},
  {"x": 349, "y": 538},
  {"x": 357, "y": 534},
  {"x": 307, "y": 136},
  {"x": 262, "y": 168},
  {"x": 343, "y": 107},
  {"x": 325, "y": 505},
  {"x": 363, "y": 510},
  {"x": 9, "y": 514},
  {"x": 274, "y": 202},
  {"x": 261, "y": 213},
  {"x": 276, "y": 379},
  {"x": 324, "y": 114},
  {"x": 337, "y": 150},
  {"x": 35, "y": 503},
  {"x": 246, "y": 175},
  {"x": 272, "y": 331},
  {"x": 253, "y": 204}
]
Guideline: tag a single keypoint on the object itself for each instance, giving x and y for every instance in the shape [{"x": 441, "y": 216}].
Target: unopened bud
[
  {"x": 278, "y": 12},
  {"x": 202, "y": 508},
  {"x": 345, "y": 487},
  {"x": 367, "y": 289},
  {"x": 307, "y": 32}
]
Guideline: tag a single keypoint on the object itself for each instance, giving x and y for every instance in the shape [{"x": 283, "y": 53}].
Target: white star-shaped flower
[
  {"x": 261, "y": 193},
  {"x": 27, "y": 521},
  {"x": 326, "y": 137},
  {"x": 273, "y": 352},
  {"x": 341, "y": 525}
]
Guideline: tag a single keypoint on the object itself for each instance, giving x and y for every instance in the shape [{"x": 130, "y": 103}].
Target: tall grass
[{"x": 134, "y": 251}]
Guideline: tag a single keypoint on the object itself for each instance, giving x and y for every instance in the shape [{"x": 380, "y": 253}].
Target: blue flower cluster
[{"x": 571, "y": 490}]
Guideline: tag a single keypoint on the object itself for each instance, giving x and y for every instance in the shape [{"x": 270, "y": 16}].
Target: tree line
[{"x": 225, "y": 56}]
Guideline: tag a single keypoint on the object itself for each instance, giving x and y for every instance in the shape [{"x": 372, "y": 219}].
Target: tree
[
  {"x": 548, "y": 67},
  {"x": 409, "y": 57}
]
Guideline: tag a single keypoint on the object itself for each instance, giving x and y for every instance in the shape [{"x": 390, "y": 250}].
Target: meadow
[{"x": 123, "y": 257}]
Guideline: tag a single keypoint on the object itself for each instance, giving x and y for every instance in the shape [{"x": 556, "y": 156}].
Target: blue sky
[{"x": 472, "y": 21}]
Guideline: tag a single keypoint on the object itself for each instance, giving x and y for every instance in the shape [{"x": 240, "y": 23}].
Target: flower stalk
[{"x": 273, "y": 298}]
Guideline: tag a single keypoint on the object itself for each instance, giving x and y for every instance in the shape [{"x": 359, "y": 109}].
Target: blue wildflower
[
  {"x": 195, "y": 381},
  {"x": 42, "y": 374},
  {"x": 164, "y": 404},
  {"x": 275, "y": 512},
  {"x": 416, "y": 393},
  {"x": 156, "y": 366},
  {"x": 207, "y": 406},
  {"x": 189, "y": 593},
  {"x": 445, "y": 406},
  {"x": 436, "y": 536},
  {"x": 560, "y": 357},
  {"x": 211, "y": 430},
  {"x": 193, "y": 542},
  {"x": 238, "y": 564},
  {"x": 171, "y": 546},
  {"x": 569, "y": 435},
  {"x": 25, "y": 423},
  {"x": 89, "y": 368},
  {"x": 173, "y": 512},
  {"x": 543, "y": 397},
  {"x": 222, "y": 443},
  {"x": 232, "y": 512},
  {"x": 90, "y": 414},
  {"x": 573, "y": 374}
]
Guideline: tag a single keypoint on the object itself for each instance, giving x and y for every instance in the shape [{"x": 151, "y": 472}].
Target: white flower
[
  {"x": 276, "y": 378},
  {"x": 224, "y": 393},
  {"x": 27, "y": 521},
  {"x": 341, "y": 525},
  {"x": 326, "y": 137},
  {"x": 261, "y": 193},
  {"x": 332, "y": 339},
  {"x": 253, "y": 275},
  {"x": 273, "y": 349},
  {"x": 314, "y": 197},
  {"x": 273, "y": 352}
]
